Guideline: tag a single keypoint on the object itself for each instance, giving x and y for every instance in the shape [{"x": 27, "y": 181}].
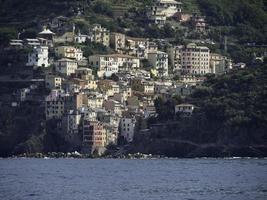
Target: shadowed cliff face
[{"x": 171, "y": 147}]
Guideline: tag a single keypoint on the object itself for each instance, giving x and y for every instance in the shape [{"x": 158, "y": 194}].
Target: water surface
[{"x": 104, "y": 179}]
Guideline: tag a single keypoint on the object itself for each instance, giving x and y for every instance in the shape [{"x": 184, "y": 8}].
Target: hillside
[
  {"x": 242, "y": 22},
  {"x": 242, "y": 14},
  {"x": 249, "y": 18},
  {"x": 229, "y": 120}
]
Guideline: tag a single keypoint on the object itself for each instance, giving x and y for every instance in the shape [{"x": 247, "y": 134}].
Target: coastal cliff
[{"x": 161, "y": 143}]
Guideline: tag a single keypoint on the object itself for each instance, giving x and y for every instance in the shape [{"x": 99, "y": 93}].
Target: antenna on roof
[{"x": 73, "y": 28}]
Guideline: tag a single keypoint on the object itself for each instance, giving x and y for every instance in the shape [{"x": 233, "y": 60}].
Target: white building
[
  {"x": 32, "y": 42},
  {"x": 195, "y": 59},
  {"x": 110, "y": 64},
  {"x": 159, "y": 61},
  {"x": 47, "y": 35},
  {"x": 66, "y": 66},
  {"x": 162, "y": 9},
  {"x": 16, "y": 43},
  {"x": 95, "y": 100},
  {"x": 185, "y": 110},
  {"x": 38, "y": 57},
  {"x": 80, "y": 38},
  {"x": 127, "y": 128}
]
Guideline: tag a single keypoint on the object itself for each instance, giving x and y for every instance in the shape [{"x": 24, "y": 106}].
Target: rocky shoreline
[{"x": 77, "y": 155}]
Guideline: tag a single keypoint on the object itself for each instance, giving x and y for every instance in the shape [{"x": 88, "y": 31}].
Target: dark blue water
[{"x": 74, "y": 179}]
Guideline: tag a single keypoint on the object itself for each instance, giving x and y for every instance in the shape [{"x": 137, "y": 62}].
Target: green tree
[{"x": 103, "y": 7}]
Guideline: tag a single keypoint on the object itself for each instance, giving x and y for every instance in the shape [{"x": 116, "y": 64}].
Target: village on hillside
[{"x": 100, "y": 100}]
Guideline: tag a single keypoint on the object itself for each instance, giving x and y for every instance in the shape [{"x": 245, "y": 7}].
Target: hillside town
[{"x": 98, "y": 101}]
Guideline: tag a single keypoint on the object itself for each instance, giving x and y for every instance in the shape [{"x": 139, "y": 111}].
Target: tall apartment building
[
  {"x": 38, "y": 57},
  {"x": 175, "y": 56},
  {"x": 94, "y": 137},
  {"x": 57, "y": 103},
  {"x": 54, "y": 105},
  {"x": 127, "y": 127},
  {"x": 195, "y": 59},
  {"x": 99, "y": 34},
  {"x": 159, "y": 61}
]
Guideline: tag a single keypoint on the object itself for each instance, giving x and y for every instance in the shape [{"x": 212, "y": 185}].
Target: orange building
[{"x": 94, "y": 137}]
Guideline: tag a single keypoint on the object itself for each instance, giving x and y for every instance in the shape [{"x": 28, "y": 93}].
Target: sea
[{"x": 136, "y": 179}]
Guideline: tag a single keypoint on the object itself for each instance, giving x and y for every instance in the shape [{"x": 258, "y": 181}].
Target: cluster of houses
[
  {"x": 162, "y": 10},
  {"x": 102, "y": 96}
]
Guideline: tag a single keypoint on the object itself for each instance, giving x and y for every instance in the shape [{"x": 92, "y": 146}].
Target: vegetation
[
  {"x": 248, "y": 17},
  {"x": 103, "y": 7},
  {"x": 27, "y": 132},
  {"x": 230, "y": 109},
  {"x": 95, "y": 48}
]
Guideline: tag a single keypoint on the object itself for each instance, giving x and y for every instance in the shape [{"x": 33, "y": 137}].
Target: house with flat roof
[
  {"x": 113, "y": 63},
  {"x": 38, "y": 57},
  {"x": 66, "y": 66}
]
